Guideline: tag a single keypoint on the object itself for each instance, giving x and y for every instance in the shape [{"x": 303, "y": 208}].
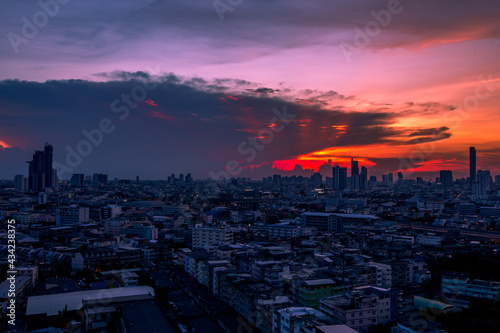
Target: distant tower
[
  {"x": 472, "y": 162},
  {"x": 40, "y": 172},
  {"x": 363, "y": 178},
  {"x": 49, "y": 173},
  {"x": 19, "y": 182},
  {"x": 400, "y": 177},
  {"x": 339, "y": 178},
  {"x": 446, "y": 178},
  {"x": 354, "y": 174}
]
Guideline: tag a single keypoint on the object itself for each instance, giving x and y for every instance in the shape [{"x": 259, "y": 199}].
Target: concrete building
[
  {"x": 211, "y": 237},
  {"x": 292, "y": 319},
  {"x": 310, "y": 292},
  {"x": 142, "y": 230},
  {"x": 455, "y": 283},
  {"x": 334, "y": 222},
  {"x": 73, "y": 214},
  {"x": 384, "y": 274},
  {"x": 428, "y": 240},
  {"x": 356, "y": 312}
]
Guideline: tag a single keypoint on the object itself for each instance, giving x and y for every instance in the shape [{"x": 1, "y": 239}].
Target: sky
[{"x": 249, "y": 88}]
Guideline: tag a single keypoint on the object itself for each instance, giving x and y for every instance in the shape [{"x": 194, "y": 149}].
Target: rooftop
[{"x": 50, "y": 305}]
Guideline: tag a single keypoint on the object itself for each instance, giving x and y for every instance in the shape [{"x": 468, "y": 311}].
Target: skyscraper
[
  {"x": 40, "y": 172},
  {"x": 446, "y": 178},
  {"x": 400, "y": 176},
  {"x": 472, "y": 163},
  {"x": 99, "y": 179},
  {"x": 481, "y": 184},
  {"x": 77, "y": 179},
  {"x": 363, "y": 178},
  {"x": 19, "y": 184},
  {"x": 339, "y": 176},
  {"x": 354, "y": 174},
  {"x": 49, "y": 172},
  {"x": 317, "y": 179}
]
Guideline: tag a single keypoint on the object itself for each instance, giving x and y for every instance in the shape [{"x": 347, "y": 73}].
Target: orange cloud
[{"x": 4, "y": 144}]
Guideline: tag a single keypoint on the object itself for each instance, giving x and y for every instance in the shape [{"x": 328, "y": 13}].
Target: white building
[
  {"x": 73, "y": 214},
  {"x": 407, "y": 240},
  {"x": 384, "y": 274},
  {"x": 210, "y": 237},
  {"x": 430, "y": 240}
]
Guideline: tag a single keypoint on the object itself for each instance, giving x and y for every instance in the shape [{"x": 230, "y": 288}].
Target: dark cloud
[
  {"x": 186, "y": 124},
  {"x": 263, "y": 90},
  {"x": 430, "y": 131},
  {"x": 424, "y": 139}
]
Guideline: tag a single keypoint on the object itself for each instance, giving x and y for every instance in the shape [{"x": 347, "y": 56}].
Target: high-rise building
[
  {"x": 19, "y": 183},
  {"x": 400, "y": 177},
  {"x": 472, "y": 164},
  {"x": 354, "y": 174},
  {"x": 40, "y": 172},
  {"x": 363, "y": 178},
  {"x": 276, "y": 180},
  {"x": 49, "y": 171},
  {"x": 99, "y": 179},
  {"x": 446, "y": 178},
  {"x": 481, "y": 184},
  {"x": 317, "y": 179},
  {"x": 390, "y": 176},
  {"x": 339, "y": 178},
  {"x": 77, "y": 179}
]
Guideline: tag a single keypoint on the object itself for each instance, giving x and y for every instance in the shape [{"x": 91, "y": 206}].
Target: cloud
[
  {"x": 189, "y": 124},
  {"x": 429, "y": 131},
  {"x": 263, "y": 90},
  {"x": 90, "y": 31}
]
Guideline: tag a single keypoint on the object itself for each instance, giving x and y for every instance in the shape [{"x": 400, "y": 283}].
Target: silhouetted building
[
  {"x": 363, "y": 178},
  {"x": 77, "y": 179},
  {"x": 446, "y": 178},
  {"x": 354, "y": 174},
  {"x": 189, "y": 179},
  {"x": 472, "y": 163},
  {"x": 40, "y": 172},
  {"x": 481, "y": 184},
  {"x": 339, "y": 178},
  {"x": 317, "y": 179},
  {"x": 99, "y": 179},
  {"x": 20, "y": 183},
  {"x": 400, "y": 177}
]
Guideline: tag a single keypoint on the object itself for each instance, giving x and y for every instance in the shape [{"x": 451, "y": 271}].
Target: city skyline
[{"x": 38, "y": 178}]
